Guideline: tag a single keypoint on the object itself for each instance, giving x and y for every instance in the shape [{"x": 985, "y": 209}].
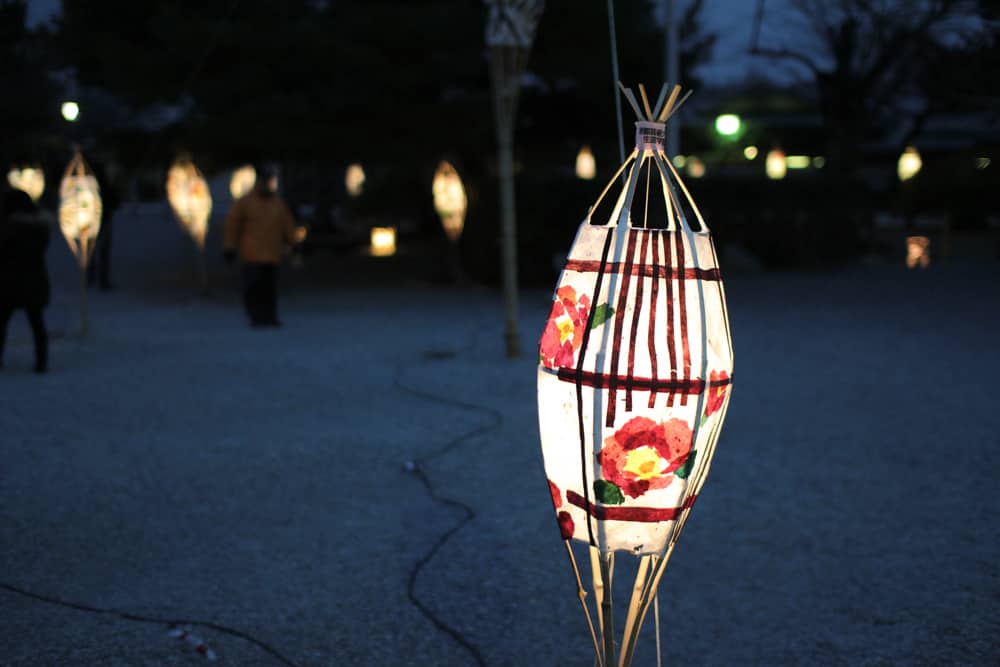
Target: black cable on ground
[
  {"x": 415, "y": 467},
  {"x": 141, "y": 618}
]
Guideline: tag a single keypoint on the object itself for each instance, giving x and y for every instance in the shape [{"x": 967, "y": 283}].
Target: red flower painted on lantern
[
  {"x": 643, "y": 454},
  {"x": 716, "y": 395},
  {"x": 556, "y": 495},
  {"x": 563, "y": 333},
  {"x": 565, "y": 525}
]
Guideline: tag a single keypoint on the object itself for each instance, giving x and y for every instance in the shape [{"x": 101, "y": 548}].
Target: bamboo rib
[
  {"x": 631, "y": 632},
  {"x": 678, "y": 105},
  {"x": 659, "y": 101},
  {"x": 631, "y": 99},
  {"x": 665, "y": 112},
  {"x": 581, "y": 593},
  {"x": 645, "y": 102}
]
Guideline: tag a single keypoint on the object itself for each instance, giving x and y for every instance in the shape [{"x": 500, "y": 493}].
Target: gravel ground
[{"x": 176, "y": 465}]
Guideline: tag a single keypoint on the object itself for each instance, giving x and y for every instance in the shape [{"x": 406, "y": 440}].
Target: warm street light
[{"x": 70, "y": 111}]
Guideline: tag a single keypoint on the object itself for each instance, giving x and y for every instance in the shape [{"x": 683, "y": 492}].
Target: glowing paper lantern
[
  {"x": 30, "y": 180},
  {"x": 242, "y": 181},
  {"x": 695, "y": 167},
  {"x": 449, "y": 200},
  {"x": 634, "y": 375},
  {"x": 80, "y": 208},
  {"x": 70, "y": 111},
  {"x": 909, "y": 164},
  {"x": 918, "y": 252},
  {"x": 750, "y": 152},
  {"x": 354, "y": 180},
  {"x": 190, "y": 199},
  {"x": 775, "y": 165},
  {"x": 383, "y": 241},
  {"x": 586, "y": 166}
]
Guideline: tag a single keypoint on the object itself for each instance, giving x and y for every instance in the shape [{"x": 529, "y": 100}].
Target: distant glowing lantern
[
  {"x": 634, "y": 377},
  {"x": 30, "y": 180},
  {"x": 695, "y": 167},
  {"x": 775, "y": 165},
  {"x": 909, "y": 164},
  {"x": 383, "y": 241},
  {"x": 354, "y": 179},
  {"x": 70, "y": 111},
  {"x": 586, "y": 166},
  {"x": 728, "y": 124},
  {"x": 750, "y": 152},
  {"x": 190, "y": 199},
  {"x": 819, "y": 161},
  {"x": 680, "y": 161},
  {"x": 918, "y": 252},
  {"x": 449, "y": 200},
  {"x": 80, "y": 208},
  {"x": 242, "y": 181}
]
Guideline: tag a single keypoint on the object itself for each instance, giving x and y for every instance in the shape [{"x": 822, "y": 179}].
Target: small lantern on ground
[
  {"x": 586, "y": 166},
  {"x": 242, "y": 181},
  {"x": 30, "y": 180},
  {"x": 354, "y": 180},
  {"x": 918, "y": 252},
  {"x": 383, "y": 242}
]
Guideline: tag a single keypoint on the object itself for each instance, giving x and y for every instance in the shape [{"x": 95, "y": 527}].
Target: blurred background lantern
[
  {"x": 695, "y": 167},
  {"x": 383, "y": 241},
  {"x": 30, "y": 180},
  {"x": 918, "y": 252},
  {"x": 70, "y": 111},
  {"x": 775, "y": 165},
  {"x": 449, "y": 200},
  {"x": 909, "y": 164},
  {"x": 80, "y": 219},
  {"x": 354, "y": 180},
  {"x": 586, "y": 166},
  {"x": 192, "y": 204},
  {"x": 242, "y": 181}
]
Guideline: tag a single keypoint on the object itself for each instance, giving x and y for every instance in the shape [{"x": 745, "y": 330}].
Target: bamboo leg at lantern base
[{"x": 84, "y": 324}]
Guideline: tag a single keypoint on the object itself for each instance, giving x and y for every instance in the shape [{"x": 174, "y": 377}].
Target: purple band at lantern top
[{"x": 649, "y": 135}]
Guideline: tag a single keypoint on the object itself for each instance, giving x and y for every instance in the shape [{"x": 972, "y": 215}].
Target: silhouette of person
[
  {"x": 258, "y": 228},
  {"x": 24, "y": 279},
  {"x": 99, "y": 269}
]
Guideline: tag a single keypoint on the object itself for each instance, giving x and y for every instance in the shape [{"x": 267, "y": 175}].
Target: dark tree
[{"x": 876, "y": 64}]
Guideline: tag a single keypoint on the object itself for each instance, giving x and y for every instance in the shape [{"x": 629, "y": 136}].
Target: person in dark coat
[{"x": 24, "y": 279}]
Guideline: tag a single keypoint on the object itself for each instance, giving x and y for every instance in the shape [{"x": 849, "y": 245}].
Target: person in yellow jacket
[{"x": 258, "y": 228}]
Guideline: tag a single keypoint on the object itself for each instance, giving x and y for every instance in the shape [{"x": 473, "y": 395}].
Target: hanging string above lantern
[{"x": 634, "y": 372}]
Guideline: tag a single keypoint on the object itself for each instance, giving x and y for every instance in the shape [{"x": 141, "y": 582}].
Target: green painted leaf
[
  {"x": 685, "y": 469},
  {"x": 704, "y": 418},
  {"x": 601, "y": 315},
  {"x": 608, "y": 492}
]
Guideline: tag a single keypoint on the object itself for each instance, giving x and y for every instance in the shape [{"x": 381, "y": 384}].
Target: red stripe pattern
[
  {"x": 685, "y": 387},
  {"x": 635, "y": 514},
  {"x": 647, "y": 271}
]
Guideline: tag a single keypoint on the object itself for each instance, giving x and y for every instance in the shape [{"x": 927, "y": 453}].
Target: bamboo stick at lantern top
[
  {"x": 189, "y": 198},
  {"x": 80, "y": 208}
]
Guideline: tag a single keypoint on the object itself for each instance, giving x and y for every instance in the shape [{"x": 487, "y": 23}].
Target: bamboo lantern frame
[
  {"x": 450, "y": 200},
  {"x": 635, "y": 368},
  {"x": 510, "y": 32},
  {"x": 80, "y": 210},
  {"x": 30, "y": 180}
]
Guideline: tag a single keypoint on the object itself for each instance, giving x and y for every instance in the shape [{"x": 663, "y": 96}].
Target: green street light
[
  {"x": 70, "y": 111},
  {"x": 728, "y": 124}
]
